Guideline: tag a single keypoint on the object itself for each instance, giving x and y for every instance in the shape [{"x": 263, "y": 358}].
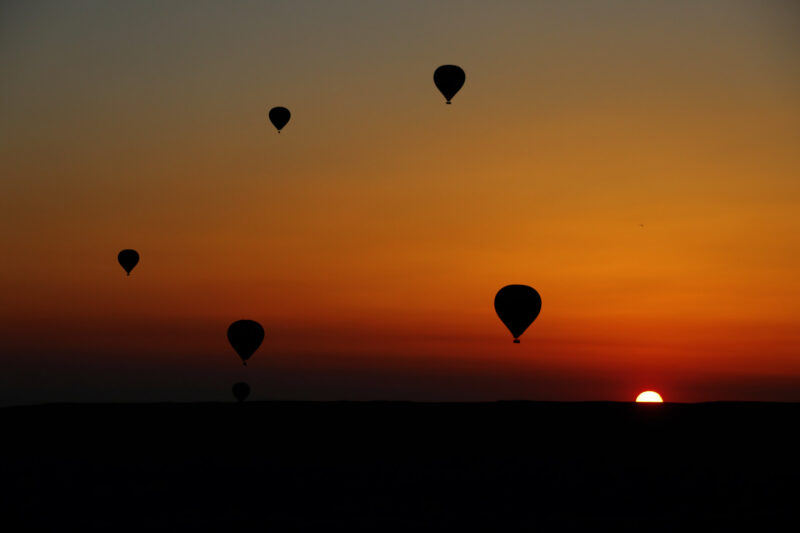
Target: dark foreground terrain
[{"x": 400, "y": 467}]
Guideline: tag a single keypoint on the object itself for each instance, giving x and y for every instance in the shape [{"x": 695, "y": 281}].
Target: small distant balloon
[
  {"x": 128, "y": 259},
  {"x": 279, "y": 116},
  {"x": 241, "y": 391},
  {"x": 245, "y": 337},
  {"x": 449, "y": 79},
  {"x": 517, "y": 306}
]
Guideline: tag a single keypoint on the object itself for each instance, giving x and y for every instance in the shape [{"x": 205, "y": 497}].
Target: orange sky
[{"x": 370, "y": 237}]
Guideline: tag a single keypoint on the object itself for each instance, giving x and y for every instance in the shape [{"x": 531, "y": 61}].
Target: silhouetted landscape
[
  {"x": 424, "y": 201},
  {"x": 288, "y": 466}
]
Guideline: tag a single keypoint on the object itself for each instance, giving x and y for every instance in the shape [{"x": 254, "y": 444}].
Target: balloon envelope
[
  {"x": 279, "y": 116},
  {"x": 128, "y": 259},
  {"x": 245, "y": 336},
  {"x": 449, "y": 79},
  {"x": 517, "y": 306},
  {"x": 241, "y": 391}
]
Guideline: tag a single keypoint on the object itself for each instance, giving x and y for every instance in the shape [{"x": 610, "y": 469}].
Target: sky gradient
[{"x": 370, "y": 237}]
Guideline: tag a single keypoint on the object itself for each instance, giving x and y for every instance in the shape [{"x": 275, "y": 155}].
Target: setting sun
[{"x": 649, "y": 396}]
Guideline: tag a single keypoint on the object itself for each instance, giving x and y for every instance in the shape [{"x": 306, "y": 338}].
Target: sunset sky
[{"x": 370, "y": 236}]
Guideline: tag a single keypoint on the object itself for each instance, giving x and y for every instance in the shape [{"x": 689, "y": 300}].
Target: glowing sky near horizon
[{"x": 370, "y": 237}]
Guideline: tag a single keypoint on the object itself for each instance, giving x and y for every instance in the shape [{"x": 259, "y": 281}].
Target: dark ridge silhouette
[
  {"x": 517, "y": 306},
  {"x": 279, "y": 116},
  {"x": 245, "y": 337},
  {"x": 241, "y": 391},
  {"x": 128, "y": 259},
  {"x": 449, "y": 79},
  {"x": 294, "y": 466}
]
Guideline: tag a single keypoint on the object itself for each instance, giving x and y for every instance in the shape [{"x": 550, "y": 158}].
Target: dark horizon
[
  {"x": 399, "y": 266},
  {"x": 401, "y": 467}
]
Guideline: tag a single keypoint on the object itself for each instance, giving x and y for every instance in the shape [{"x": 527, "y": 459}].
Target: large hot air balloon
[
  {"x": 128, "y": 259},
  {"x": 449, "y": 79},
  {"x": 279, "y": 116},
  {"x": 245, "y": 336},
  {"x": 517, "y": 306},
  {"x": 241, "y": 391}
]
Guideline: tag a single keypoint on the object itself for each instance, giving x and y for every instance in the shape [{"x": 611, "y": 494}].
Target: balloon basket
[{"x": 516, "y": 341}]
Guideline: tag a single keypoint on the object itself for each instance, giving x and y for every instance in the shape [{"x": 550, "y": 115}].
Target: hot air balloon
[
  {"x": 245, "y": 336},
  {"x": 128, "y": 259},
  {"x": 449, "y": 79},
  {"x": 241, "y": 391},
  {"x": 517, "y": 306},
  {"x": 279, "y": 116}
]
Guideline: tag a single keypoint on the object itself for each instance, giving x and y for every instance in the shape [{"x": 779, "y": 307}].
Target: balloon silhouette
[
  {"x": 449, "y": 79},
  {"x": 245, "y": 336},
  {"x": 517, "y": 306},
  {"x": 241, "y": 391},
  {"x": 279, "y": 116},
  {"x": 128, "y": 259}
]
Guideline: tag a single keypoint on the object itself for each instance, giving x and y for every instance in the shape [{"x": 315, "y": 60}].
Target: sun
[{"x": 649, "y": 396}]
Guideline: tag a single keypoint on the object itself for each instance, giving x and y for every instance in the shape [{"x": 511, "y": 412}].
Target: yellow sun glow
[{"x": 649, "y": 396}]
